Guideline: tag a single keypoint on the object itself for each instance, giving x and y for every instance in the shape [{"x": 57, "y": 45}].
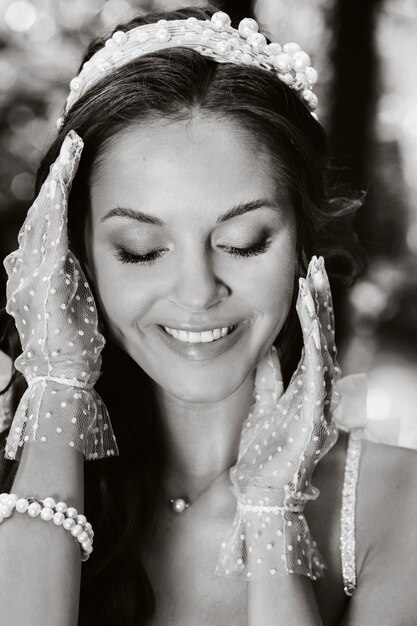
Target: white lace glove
[
  {"x": 283, "y": 439},
  {"x": 56, "y": 316}
]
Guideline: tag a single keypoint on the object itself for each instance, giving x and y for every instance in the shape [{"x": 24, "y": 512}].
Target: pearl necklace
[{"x": 179, "y": 505}]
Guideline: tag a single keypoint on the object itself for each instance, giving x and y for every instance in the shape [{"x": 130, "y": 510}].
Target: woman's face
[{"x": 188, "y": 231}]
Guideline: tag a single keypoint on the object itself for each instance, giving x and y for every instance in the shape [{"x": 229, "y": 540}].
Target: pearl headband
[{"x": 213, "y": 38}]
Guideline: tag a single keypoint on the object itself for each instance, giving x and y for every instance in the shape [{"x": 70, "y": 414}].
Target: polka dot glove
[
  {"x": 283, "y": 439},
  {"x": 55, "y": 314}
]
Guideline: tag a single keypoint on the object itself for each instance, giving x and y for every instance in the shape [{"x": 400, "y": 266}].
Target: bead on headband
[{"x": 214, "y": 38}]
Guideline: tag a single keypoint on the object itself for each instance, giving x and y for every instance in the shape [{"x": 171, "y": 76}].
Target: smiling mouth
[{"x": 207, "y": 336}]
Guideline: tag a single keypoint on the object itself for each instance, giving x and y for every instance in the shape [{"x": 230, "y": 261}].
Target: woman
[{"x": 200, "y": 198}]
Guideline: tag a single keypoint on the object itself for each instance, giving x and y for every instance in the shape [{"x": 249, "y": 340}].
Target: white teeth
[
  {"x": 182, "y": 335},
  {"x": 205, "y": 336},
  {"x": 194, "y": 337}
]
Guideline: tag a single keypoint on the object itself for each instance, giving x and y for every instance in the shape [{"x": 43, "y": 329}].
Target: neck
[{"x": 202, "y": 439}]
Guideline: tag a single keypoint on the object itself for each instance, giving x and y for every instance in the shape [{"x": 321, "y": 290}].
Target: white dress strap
[{"x": 347, "y": 525}]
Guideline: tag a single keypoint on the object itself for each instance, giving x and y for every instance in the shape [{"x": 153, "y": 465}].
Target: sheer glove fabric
[
  {"x": 56, "y": 316},
  {"x": 283, "y": 439}
]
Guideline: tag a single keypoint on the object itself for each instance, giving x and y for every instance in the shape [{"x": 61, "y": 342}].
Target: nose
[{"x": 197, "y": 287}]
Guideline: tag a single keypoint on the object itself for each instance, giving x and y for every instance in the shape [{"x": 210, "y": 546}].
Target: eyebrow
[{"x": 146, "y": 218}]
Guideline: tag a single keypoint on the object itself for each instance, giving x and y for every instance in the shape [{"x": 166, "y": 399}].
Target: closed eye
[
  {"x": 125, "y": 256},
  {"x": 144, "y": 259},
  {"x": 257, "y": 248}
]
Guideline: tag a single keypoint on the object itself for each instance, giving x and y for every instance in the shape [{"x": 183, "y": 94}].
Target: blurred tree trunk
[
  {"x": 354, "y": 93},
  {"x": 354, "y": 88}
]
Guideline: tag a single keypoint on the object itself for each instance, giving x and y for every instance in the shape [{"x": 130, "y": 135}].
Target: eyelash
[{"x": 147, "y": 259}]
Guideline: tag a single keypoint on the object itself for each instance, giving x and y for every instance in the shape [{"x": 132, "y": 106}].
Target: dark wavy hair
[{"x": 121, "y": 493}]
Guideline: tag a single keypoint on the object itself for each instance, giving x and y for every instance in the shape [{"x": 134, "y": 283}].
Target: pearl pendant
[{"x": 179, "y": 505}]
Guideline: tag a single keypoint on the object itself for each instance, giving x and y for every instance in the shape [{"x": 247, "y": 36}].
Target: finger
[
  {"x": 309, "y": 375},
  {"x": 319, "y": 285},
  {"x": 43, "y": 241},
  {"x": 307, "y": 312},
  {"x": 317, "y": 365},
  {"x": 317, "y": 275},
  {"x": 53, "y": 200},
  {"x": 43, "y": 235}
]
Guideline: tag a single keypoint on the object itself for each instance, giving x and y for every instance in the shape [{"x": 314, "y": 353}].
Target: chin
[
  {"x": 201, "y": 396},
  {"x": 198, "y": 382},
  {"x": 206, "y": 387}
]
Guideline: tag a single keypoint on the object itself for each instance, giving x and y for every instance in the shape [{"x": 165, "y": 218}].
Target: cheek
[
  {"x": 271, "y": 284},
  {"x": 122, "y": 297},
  {"x": 279, "y": 285}
]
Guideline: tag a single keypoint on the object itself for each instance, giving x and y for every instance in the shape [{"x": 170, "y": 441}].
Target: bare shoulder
[
  {"x": 386, "y": 541},
  {"x": 387, "y": 490}
]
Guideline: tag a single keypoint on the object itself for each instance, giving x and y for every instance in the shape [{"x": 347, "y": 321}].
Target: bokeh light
[
  {"x": 412, "y": 238},
  {"x": 22, "y": 186},
  {"x": 20, "y": 16},
  {"x": 368, "y": 299},
  {"x": 378, "y": 404}
]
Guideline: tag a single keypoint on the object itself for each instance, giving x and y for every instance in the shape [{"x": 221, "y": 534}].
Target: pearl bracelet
[{"x": 48, "y": 509}]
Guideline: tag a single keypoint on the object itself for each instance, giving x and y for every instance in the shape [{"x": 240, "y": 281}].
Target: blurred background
[{"x": 365, "y": 52}]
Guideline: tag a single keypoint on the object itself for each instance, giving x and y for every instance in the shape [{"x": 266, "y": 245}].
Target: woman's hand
[
  {"x": 56, "y": 317},
  {"x": 283, "y": 439},
  {"x": 296, "y": 431}
]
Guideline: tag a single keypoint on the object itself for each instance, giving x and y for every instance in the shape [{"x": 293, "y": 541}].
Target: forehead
[{"x": 201, "y": 165}]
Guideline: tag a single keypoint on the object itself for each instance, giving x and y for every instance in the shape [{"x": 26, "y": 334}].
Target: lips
[
  {"x": 204, "y": 336},
  {"x": 203, "y": 351}
]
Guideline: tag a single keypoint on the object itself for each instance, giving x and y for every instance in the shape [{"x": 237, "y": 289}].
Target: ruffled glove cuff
[
  {"x": 268, "y": 538},
  {"x": 64, "y": 414}
]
